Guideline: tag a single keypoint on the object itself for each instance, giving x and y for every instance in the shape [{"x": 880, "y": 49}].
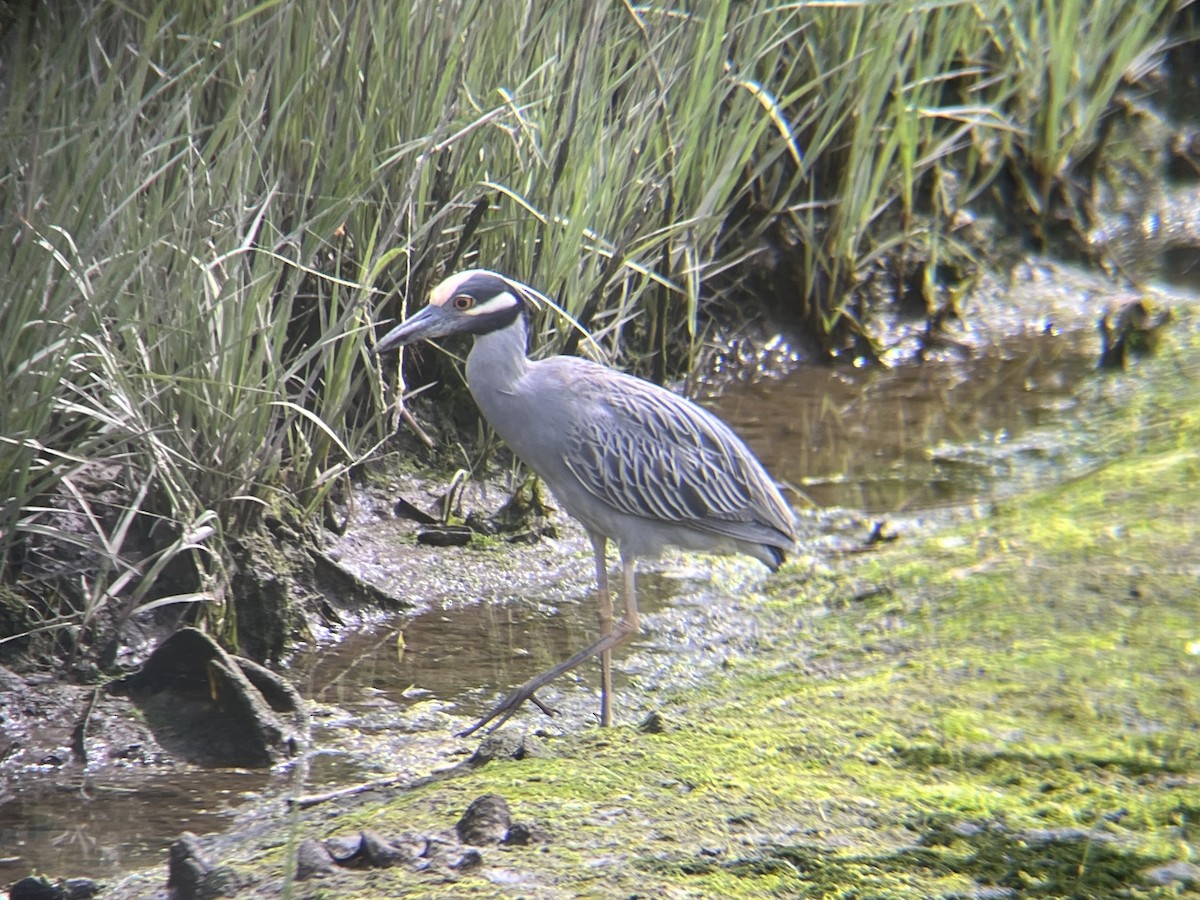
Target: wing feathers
[{"x": 648, "y": 452}]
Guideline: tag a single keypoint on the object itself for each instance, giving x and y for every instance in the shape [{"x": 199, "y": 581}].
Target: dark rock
[
  {"x": 81, "y": 888},
  {"x": 369, "y": 850},
  {"x": 445, "y": 535},
  {"x": 33, "y": 888},
  {"x": 485, "y": 822},
  {"x": 383, "y": 854},
  {"x": 212, "y": 708},
  {"x": 345, "y": 850},
  {"x": 470, "y": 861},
  {"x": 521, "y": 834},
  {"x": 653, "y": 724},
  {"x": 312, "y": 859},
  {"x": 186, "y": 865},
  {"x": 193, "y": 876}
]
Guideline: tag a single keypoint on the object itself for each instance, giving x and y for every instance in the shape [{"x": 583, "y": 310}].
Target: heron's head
[{"x": 473, "y": 302}]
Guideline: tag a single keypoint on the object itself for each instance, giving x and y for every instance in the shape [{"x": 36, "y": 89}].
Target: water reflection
[
  {"x": 465, "y": 655},
  {"x": 99, "y": 828},
  {"x": 910, "y": 437}
]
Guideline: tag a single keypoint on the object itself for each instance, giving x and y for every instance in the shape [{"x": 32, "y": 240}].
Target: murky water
[
  {"x": 464, "y": 655},
  {"x": 881, "y": 440},
  {"x": 912, "y": 437},
  {"x": 99, "y": 827}
]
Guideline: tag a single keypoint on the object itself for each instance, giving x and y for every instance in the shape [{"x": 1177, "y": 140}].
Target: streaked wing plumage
[{"x": 647, "y": 452}]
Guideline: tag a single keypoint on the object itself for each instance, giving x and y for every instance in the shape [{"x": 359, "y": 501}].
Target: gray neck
[{"x": 498, "y": 361}]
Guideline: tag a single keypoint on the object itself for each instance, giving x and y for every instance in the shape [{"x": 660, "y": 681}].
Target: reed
[{"x": 212, "y": 203}]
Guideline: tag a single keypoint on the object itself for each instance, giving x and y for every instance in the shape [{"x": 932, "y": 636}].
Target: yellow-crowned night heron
[{"x": 632, "y": 461}]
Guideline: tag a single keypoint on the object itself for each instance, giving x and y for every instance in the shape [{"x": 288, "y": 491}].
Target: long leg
[
  {"x": 605, "y": 615},
  {"x": 624, "y": 630}
]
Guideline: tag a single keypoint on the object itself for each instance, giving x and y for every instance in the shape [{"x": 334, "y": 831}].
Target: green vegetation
[{"x": 210, "y": 203}]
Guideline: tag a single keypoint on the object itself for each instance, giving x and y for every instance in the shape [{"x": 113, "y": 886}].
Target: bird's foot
[
  {"x": 625, "y": 629},
  {"x": 504, "y": 710}
]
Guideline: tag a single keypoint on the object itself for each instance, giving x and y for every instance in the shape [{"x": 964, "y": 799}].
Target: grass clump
[{"x": 212, "y": 202}]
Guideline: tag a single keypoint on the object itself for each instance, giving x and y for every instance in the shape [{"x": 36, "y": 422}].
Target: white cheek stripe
[{"x": 499, "y": 303}]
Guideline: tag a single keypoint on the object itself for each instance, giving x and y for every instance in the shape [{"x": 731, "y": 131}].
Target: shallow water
[
  {"x": 873, "y": 439},
  {"x": 99, "y": 827},
  {"x": 890, "y": 440}
]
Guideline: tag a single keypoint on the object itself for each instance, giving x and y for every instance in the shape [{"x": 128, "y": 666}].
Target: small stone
[
  {"x": 186, "y": 866},
  {"x": 653, "y": 724},
  {"x": 444, "y": 536},
  {"x": 521, "y": 834},
  {"x": 382, "y": 853},
  {"x": 33, "y": 888},
  {"x": 312, "y": 859},
  {"x": 485, "y": 822},
  {"x": 191, "y": 874},
  {"x": 1174, "y": 872},
  {"x": 507, "y": 745},
  {"x": 81, "y": 888},
  {"x": 501, "y": 745},
  {"x": 470, "y": 861},
  {"x": 368, "y": 850},
  {"x": 344, "y": 850}
]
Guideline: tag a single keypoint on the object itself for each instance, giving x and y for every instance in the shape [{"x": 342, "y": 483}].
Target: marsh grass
[{"x": 212, "y": 203}]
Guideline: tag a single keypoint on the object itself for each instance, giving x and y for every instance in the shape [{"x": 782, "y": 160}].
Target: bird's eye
[{"x": 463, "y": 302}]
